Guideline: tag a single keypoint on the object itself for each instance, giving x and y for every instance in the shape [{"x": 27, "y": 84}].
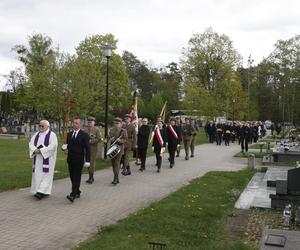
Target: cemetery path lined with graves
[{"x": 55, "y": 223}]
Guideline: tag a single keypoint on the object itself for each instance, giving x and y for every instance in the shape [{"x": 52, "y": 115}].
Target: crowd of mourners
[{"x": 244, "y": 132}]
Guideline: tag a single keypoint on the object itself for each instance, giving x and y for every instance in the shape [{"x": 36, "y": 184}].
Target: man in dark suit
[
  {"x": 78, "y": 156},
  {"x": 173, "y": 136},
  {"x": 244, "y": 135},
  {"x": 142, "y": 142},
  {"x": 159, "y": 143}
]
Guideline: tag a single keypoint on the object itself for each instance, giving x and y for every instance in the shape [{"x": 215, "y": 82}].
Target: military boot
[
  {"x": 90, "y": 181},
  {"x": 115, "y": 181},
  {"x": 128, "y": 171},
  {"x": 123, "y": 170}
]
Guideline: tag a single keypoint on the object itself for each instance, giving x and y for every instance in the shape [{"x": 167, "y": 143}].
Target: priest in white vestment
[{"x": 42, "y": 150}]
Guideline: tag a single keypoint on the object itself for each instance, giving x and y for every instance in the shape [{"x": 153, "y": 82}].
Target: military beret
[
  {"x": 117, "y": 120},
  {"x": 91, "y": 118}
]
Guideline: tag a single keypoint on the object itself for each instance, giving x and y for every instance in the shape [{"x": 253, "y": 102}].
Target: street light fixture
[{"x": 107, "y": 53}]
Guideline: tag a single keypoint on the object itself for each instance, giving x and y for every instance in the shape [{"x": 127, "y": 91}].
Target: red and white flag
[
  {"x": 173, "y": 132},
  {"x": 159, "y": 137},
  {"x": 134, "y": 111}
]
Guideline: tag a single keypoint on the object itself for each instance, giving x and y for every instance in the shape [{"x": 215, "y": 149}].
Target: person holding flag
[
  {"x": 158, "y": 144},
  {"x": 173, "y": 136}
]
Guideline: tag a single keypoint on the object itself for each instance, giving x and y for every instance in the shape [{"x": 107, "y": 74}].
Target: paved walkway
[{"x": 55, "y": 223}]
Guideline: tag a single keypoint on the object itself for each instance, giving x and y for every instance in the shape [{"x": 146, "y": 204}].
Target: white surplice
[{"x": 42, "y": 182}]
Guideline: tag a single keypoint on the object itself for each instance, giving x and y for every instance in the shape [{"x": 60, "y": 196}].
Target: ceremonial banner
[{"x": 134, "y": 111}]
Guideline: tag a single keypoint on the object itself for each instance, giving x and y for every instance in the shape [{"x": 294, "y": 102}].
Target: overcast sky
[{"x": 154, "y": 30}]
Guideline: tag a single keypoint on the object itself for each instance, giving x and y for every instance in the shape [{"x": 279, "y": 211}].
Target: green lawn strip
[
  {"x": 257, "y": 145},
  {"x": 15, "y": 164},
  {"x": 246, "y": 154},
  {"x": 191, "y": 218}
]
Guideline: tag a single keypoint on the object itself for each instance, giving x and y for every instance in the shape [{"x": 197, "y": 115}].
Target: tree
[
  {"x": 90, "y": 70},
  {"x": 39, "y": 59},
  {"x": 170, "y": 85},
  {"x": 208, "y": 59},
  {"x": 209, "y": 66}
]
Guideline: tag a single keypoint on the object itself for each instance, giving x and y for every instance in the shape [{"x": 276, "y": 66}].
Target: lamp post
[
  {"x": 283, "y": 94},
  {"x": 233, "y": 102},
  {"x": 250, "y": 61},
  {"x": 107, "y": 53}
]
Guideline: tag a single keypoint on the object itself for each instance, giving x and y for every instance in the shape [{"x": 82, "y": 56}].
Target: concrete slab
[
  {"x": 9, "y": 136},
  {"x": 256, "y": 194},
  {"x": 292, "y": 239}
]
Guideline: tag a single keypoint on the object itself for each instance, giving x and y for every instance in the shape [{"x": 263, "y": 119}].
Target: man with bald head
[{"x": 42, "y": 150}]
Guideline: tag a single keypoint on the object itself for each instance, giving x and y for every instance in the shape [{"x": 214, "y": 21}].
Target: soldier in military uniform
[
  {"x": 187, "y": 132},
  {"x": 117, "y": 135},
  {"x": 95, "y": 137},
  {"x": 179, "y": 125},
  {"x": 195, "y": 131},
  {"x": 130, "y": 143}
]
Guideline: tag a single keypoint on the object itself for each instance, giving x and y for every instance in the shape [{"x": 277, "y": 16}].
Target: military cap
[
  {"x": 117, "y": 120},
  {"x": 127, "y": 116},
  {"x": 91, "y": 118}
]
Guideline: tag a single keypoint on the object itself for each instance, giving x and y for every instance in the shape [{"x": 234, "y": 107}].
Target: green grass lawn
[
  {"x": 15, "y": 164},
  {"x": 246, "y": 154},
  {"x": 193, "y": 217},
  {"x": 257, "y": 145}
]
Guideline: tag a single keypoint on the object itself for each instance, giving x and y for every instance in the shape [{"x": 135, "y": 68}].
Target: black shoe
[
  {"x": 128, "y": 171},
  {"x": 91, "y": 178},
  {"x": 141, "y": 169},
  {"x": 158, "y": 170},
  {"x": 123, "y": 172},
  {"x": 115, "y": 181},
  {"x": 171, "y": 165},
  {"x": 186, "y": 158},
  {"x": 77, "y": 196},
  {"x": 39, "y": 196},
  {"x": 71, "y": 198},
  {"x": 192, "y": 156},
  {"x": 177, "y": 155}
]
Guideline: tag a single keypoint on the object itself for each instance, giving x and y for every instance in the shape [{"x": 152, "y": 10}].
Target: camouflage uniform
[
  {"x": 187, "y": 132},
  {"x": 129, "y": 145},
  {"x": 115, "y": 133}
]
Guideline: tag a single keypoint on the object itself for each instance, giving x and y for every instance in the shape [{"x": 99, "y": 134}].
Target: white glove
[
  {"x": 178, "y": 145},
  {"x": 64, "y": 147},
  {"x": 162, "y": 150},
  {"x": 153, "y": 149},
  {"x": 87, "y": 165}
]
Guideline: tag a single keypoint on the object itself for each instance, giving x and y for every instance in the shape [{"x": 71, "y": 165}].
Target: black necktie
[{"x": 74, "y": 135}]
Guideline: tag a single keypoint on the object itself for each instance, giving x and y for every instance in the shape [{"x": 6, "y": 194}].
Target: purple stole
[{"x": 45, "y": 161}]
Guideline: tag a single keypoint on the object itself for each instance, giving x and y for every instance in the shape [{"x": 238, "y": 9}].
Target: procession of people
[
  {"x": 123, "y": 141},
  {"x": 245, "y": 132}
]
